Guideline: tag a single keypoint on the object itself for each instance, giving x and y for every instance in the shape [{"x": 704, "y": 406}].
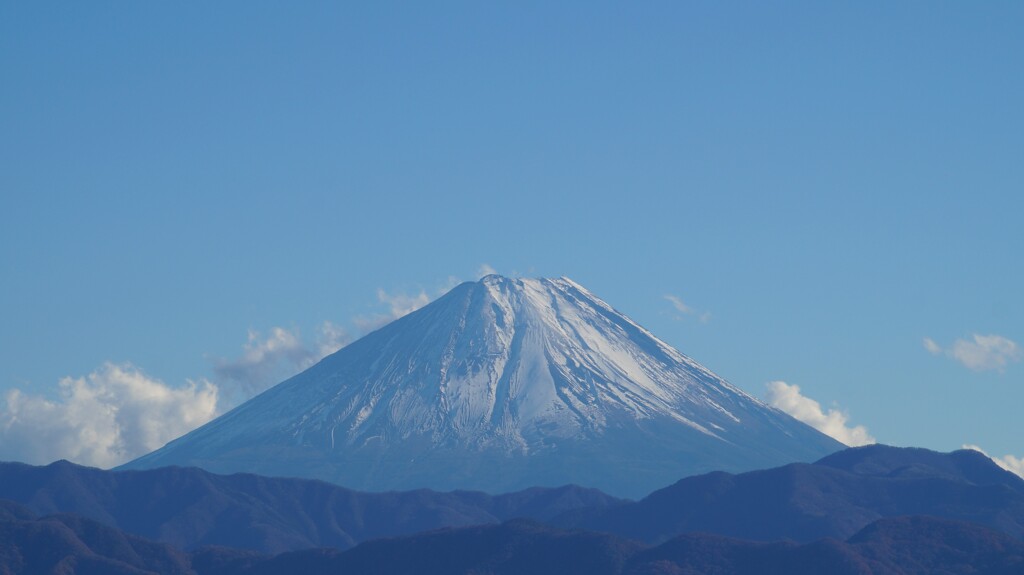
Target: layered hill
[
  {"x": 834, "y": 497},
  {"x": 500, "y": 385},
  {"x": 871, "y": 510},
  {"x": 191, "y": 508},
  {"x": 72, "y": 545}
]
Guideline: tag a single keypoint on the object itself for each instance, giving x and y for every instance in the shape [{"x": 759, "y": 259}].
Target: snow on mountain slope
[{"x": 498, "y": 385}]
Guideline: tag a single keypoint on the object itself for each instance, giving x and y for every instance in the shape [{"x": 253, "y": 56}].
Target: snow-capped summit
[{"x": 498, "y": 385}]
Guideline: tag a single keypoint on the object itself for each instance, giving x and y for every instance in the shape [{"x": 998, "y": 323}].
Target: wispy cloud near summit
[
  {"x": 268, "y": 360},
  {"x": 485, "y": 270}
]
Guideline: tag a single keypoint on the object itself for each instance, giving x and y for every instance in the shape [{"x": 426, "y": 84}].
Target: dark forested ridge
[
  {"x": 871, "y": 510},
  {"x": 834, "y": 497},
  {"x": 189, "y": 507},
  {"x": 70, "y": 544}
]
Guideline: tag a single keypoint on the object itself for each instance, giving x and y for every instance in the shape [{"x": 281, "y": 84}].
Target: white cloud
[
  {"x": 117, "y": 412},
  {"x": 1011, "y": 464},
  {"x": 485, "y": 270},
  {"x": 114, "y": 414},
  {"x": 264, "y": 362},
  {"x": 678, "y": 304},
  {"x": 684, "y": 310},
  {"x": 267, "y": 361},
  {"x": 368, "y": 323},
  {"x": 985, "y": 352},
  {"x": 981, "y": 352},
  {"x": 399, "y": 305},
  {"x": 1007, "y": 462},
  {"x": 448, "y": 284},
  {"x": 332, "y": 338},
  {"x": 833, "y": 423}
]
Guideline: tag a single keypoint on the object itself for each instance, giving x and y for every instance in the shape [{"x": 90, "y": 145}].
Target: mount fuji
[{"x": 500, "y": 385}]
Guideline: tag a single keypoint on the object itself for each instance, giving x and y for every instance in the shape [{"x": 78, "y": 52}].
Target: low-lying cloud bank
[
  {"x": 118, "y": 412},
  {"x": 103, "y": 419}
]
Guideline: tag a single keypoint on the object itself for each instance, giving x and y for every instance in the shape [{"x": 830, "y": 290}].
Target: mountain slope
[
  {"x": 189, "y": 507},
  {"x": 499, "y": 385},
  {"x": 901, "y": 546},
  {"x": 68, "y": 544},
  {"x": 72, "y": 544},
  {"x": 835, "y": 497}
]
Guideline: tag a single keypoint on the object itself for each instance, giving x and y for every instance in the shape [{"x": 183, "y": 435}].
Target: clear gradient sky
[{"x": 823, "y": 185}]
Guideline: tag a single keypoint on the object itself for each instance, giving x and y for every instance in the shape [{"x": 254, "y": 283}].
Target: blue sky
[{"x": 826, "y": 184}]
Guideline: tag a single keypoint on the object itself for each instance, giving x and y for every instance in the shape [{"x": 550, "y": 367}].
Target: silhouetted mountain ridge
[
  {"x": 72, "y": 544},
  {"x": 886, "y": 461},
  {"x": 189, "y": 507},
  {"x": 897, "y": 546},
  {"x": 902, "y": 546},
  {"x": 835, "y": 497},
  {"x": 876, "y": 510}
]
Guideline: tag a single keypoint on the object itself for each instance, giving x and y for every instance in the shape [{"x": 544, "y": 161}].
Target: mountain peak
[
  {"x": 491, "y": 279},
  {"x": 501, "y": 384},
  {"x": 888, "y": 461},
  {"x": 496, "y": 281}
]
